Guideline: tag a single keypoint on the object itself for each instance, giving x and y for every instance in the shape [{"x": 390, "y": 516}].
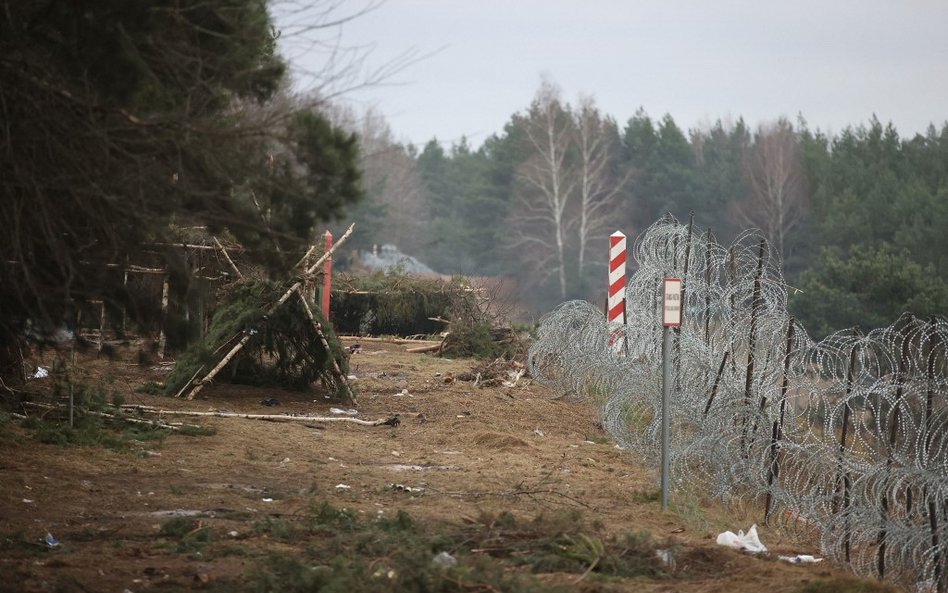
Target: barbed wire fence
[{"x": 845, "y": 438}]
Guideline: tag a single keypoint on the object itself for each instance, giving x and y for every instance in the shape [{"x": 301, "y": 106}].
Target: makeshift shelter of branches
[{"x": 281, "y": 345}]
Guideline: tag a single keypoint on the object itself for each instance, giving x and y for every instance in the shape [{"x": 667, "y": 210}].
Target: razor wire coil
[{"x": 845, "y": 438}]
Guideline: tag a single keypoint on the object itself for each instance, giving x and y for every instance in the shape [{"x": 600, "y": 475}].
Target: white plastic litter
[
  {"x": 666, "y": 557},
  {"x": 343, "y": 487},
  {"x": 349, "y": 412},
  {"x": 801, "y": 559},
  {"x": 747, "y": 542},
  {"x": 41, "y": 373},
  {"x": 444, "y": 561}
]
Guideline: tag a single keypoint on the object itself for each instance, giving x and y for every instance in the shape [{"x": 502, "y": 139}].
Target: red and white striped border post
[
  {"x": 615, "y": 305},
  {"x": 327, "y": 275}
]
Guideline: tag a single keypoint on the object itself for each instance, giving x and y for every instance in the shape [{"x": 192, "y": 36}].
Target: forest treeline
[{"x": 860, "y": 216}]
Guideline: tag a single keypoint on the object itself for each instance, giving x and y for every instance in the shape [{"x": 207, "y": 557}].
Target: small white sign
[{"x": 671, "y": 303}]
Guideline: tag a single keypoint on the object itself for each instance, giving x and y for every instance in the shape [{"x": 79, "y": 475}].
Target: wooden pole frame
[{"x": 294, "y": 288}]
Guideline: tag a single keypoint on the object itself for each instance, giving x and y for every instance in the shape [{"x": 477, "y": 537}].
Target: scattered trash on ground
[
  {"x": 233, "y": 533},
  {"x": 27, "y": 501},
  {"x": 498, "y": 373},
  {"x": 402, "y": 467},
  {"x": 801, "y": 559},
  {"x": 444, "y": 561},
  {"x": 666, "y": 557},
  {"x": 538, "y": 432},
  {"x": 41, "y": 373},
  {"x": 267, "y": 499},
  {"x": 343, "y": 487},
  {"x": 418, "y": 490},
  {"x": 349, "y": 412},
  {"x": 746, "y": 542},
  {"x": 352, "y": 378},
  {"x": 50, "y": 540},
  {"x": 181, "y": 513}
]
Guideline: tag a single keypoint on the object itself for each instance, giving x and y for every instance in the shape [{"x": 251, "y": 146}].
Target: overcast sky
[{"x": 835, "y": 61}]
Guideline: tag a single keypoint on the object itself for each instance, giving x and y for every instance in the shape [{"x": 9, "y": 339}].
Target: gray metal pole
[{"x": 666, "y": 389}]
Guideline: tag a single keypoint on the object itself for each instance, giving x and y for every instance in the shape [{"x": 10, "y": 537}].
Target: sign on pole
[
  {"x": 671, "y": 303},
  {"x": 671, "y": 317}
]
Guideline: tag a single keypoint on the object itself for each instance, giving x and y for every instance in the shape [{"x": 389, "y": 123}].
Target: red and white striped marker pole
[
  {"x": 615, "y": 305},
  {"x": 327, "y": 275}
]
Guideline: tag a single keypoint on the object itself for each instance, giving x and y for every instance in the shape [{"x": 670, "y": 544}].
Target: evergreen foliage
[
  {"x": 396, "y": 304},
  {"x": 868, "y": 287},
  {"x": 118, "y": 118}
]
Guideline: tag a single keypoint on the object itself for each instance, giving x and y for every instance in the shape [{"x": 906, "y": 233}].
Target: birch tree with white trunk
[
  {"x": 542, "y": 221},
  {"x": 597, "y": 142},
  {"x": 777, "y": 189}
]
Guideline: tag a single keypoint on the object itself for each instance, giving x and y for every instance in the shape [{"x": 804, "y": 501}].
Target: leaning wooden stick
[
  {"x": 340, "y": 376},
  {"x": 199, "y": 385},
  {"x": 233, "y": 266},
  {"x": 313, "y": 268}
]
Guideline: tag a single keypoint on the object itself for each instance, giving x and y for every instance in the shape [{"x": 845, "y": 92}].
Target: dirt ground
[{"x": 461, "y": 450}]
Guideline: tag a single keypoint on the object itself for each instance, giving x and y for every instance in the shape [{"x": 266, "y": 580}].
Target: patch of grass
[
  {"x": 335, "y": 551},
  {"x": 20, "y": 544},
  {"x": 401, "y": 522},
  {"x": 846, "y": 584},
  {"x": 178, "y": 527},
  {"x": 91, "y": 431},
  {"x": 191, "y": 535},
  {"x": 566, "y": 543},
  {"x": 151, "y": 388},
  {"x": 275, "y": 528},
  {"x": 497, "y": 552},
  {"x": 193, "y": 430},
  {"x": 646, "y": 496},
  {"x": 689, "y": 509},
  {"x": 326, "y": 515}
]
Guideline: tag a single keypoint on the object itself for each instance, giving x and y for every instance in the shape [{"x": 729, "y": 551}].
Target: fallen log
[
  {"x": 393, "y": 421},
  {"x": 427, "y": 348},
  {"x": 389, "y": 340},
  {"x": 158, "y": 423}
]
